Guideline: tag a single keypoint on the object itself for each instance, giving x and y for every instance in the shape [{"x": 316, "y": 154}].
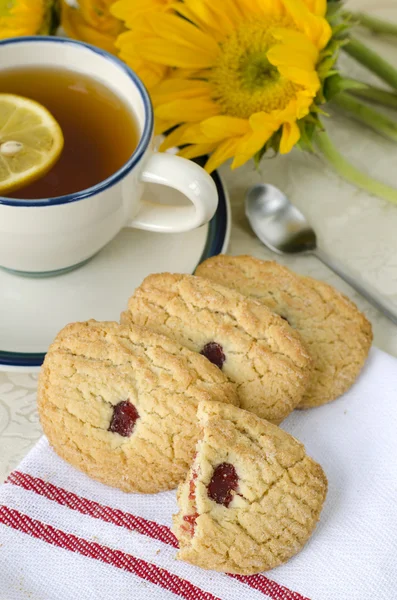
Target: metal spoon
[{"x": 284, "y": 229}]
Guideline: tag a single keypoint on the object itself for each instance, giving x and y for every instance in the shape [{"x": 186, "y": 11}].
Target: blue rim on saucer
[
  {"x": 136, "y": 155},
  {"x": 217, "y": 236}
]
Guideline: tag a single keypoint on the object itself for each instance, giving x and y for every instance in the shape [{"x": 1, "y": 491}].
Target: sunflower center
[
  {"x": 256, "y": 71},
  {"x": 244, "y": 80}
]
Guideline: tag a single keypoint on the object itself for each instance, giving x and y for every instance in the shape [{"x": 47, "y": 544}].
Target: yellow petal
[
  {"x": 199, "y": 12},
  {"x": 317, "y": 7},
  {"x": 309, "y": 79},
  {"x": 198, "y": 74},
  {"x": 129, "y": 11},
  {"x": 215, "y": 130},
  {"x": 262, "y": 121},
  {"x": 202, "y": 12},
  {"x": 197, "y": 150},
  {"x": 176, "y": 29},
  {"x": 189, "y": 15},
  {"x": 162, "y": 125},
  {"x": 316, "y": 28},
  {"x": 224, "y": 151},
  {"x": 228, "y": 12},
  {"x": 174, "y": 138},
  {"x": 76, "y": 27},
  {"x": 173, "y": 89},
  {"x": 187, "y": 111},
  {"x": 296, "y": 40},
  {"x": 150, "y": 73},
  {"x": 126, "y": 11},
  {"x": 98, "y": 16},
  {"x": 272, "y": 8},
  {"x": 289, "y": 113},
  {"x": 250, "y": 145},
  {"x": 194, "y": 135},
  {"x": 221, "y": 127},
  {"x": 128, "y": 41},
  {"x": 296, "y": 109},
  {"x": 284, "y": 55},
  {"x": 303, "y": 103},
  {"x": 290, "y": 136},
  {"x": 175, "y": 55},
  {"x": 253, "y": 7}
]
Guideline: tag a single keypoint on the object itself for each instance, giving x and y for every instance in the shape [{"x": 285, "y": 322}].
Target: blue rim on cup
[{"x": 134, "y": 158}]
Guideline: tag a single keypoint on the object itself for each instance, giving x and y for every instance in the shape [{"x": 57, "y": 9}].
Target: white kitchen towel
[{"x": 66, "y": 537}]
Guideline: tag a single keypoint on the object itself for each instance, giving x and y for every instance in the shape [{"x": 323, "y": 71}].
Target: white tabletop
[{"x": 358, "y": 229}]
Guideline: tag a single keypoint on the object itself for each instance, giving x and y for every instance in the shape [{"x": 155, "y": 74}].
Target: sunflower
[
  {"x": 135, "y": 16},
  {"x": 241, "y": 73},
  {"x": 24, "y": 17},
  {"x": 92, "y": 22}
]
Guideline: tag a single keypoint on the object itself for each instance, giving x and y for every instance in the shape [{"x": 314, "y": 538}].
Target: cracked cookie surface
[
  {"x": 336, "y": 333},
  {"x": 254, "y": 347},
  {"x": 252, "y": 497},
  {"x": 120, "y": 404}
]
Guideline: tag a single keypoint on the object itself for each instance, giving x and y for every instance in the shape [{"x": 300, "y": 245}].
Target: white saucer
[{"x": 32, "y": 311}]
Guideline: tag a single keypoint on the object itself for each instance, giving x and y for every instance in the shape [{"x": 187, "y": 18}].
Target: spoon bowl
[
  {"x": 277, "y": 223},
  {"x": 284, "y": 229}
]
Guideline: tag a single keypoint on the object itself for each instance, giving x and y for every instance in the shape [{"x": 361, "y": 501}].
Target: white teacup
[{"x": 51, "y": 234}]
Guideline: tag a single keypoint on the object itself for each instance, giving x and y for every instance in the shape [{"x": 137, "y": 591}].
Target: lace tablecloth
[{"x": 358, "y": 229}]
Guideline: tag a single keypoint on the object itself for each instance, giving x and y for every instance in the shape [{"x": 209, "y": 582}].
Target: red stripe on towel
[
  {"x": 94, "y": 509},
  {"x": 116, "y": 558},
  {"x": 151, "y": 529}
]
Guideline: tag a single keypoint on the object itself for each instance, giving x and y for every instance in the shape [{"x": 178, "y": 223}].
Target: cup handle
[{"x": 186, "y": 177}]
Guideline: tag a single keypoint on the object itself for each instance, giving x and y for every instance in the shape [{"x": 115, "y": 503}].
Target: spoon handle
[{"x": 386, "y": 307}]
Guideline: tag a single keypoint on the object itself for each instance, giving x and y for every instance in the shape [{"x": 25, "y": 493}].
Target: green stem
[
  {"x": 372, "y": 61},
  {"x": 367, "y": 115},
  {"x": 351, "y": 173},
  {"x": 370, "y": 92},
  {"x": 373, "y": 23}
]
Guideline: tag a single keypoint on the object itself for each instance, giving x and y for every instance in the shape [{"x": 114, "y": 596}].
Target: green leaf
[
  {"x": 307, "y": 131},
  {"x": 325, "y": 66},
  {"x": 51, "y": 19},
  {"x": 336, "y": 84},
  {"x": 272, "y": 144},
  {"x": 311, "y": 118},
  {"x": 334, "y": 11},
  {"x": 319, "y": 111},
  {"x": 331, "y": 48},
  {"x": 340, "y": 29},
  {"x": 374, "y": 24},
  {"x": 339, "y": 20},
  {"x": 350, "y": 172},
  {"x": 372, "y": 60},
  {"x": 258, "y": 156}
]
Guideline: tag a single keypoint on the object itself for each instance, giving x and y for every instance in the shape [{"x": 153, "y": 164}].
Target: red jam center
[
  {"x": 224, "y": 481},
  {"x": 124, "y": 418},
  {"x": 214, "y": 353}
]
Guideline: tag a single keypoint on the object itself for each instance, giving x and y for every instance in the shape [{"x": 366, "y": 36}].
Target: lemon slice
[{"x": 31, "y": 142}]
